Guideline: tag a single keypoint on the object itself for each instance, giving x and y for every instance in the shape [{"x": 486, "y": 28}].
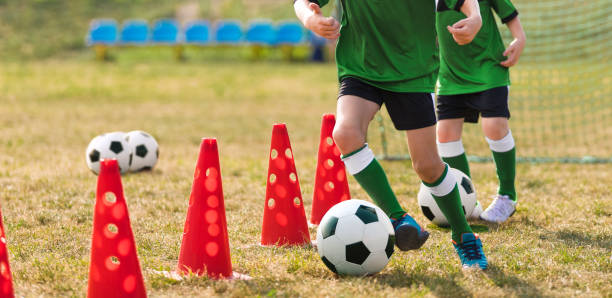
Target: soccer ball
[
  {"x": 107, "y": 146},
  {"x": 145, "y": 150},
  {"x": 477, "y": 211},
  {"x": 355, "y": 237},
  {"x": 468, "y": 199}
]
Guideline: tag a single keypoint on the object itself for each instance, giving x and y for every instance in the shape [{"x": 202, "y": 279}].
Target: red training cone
[
  {"x": 6, "y": 279},
  {"x": 205, "y": 247},
  {"x": 331, "y": 185},
  {"x": 284, "y": 220},
  {"x": 114, "y": 270}
]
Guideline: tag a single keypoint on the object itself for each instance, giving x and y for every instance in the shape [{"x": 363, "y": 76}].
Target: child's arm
[
  {"x": 465, "y": 30},
  {"x": 515, "y": 49},
  {"x": 310, "y": 15}
]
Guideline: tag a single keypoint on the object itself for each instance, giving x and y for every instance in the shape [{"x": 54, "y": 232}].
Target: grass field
[{"x": 558, "y": 243}]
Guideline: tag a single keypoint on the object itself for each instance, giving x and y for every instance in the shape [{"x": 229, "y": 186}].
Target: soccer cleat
[
  {"x": 500, "y": 210},
  {"x": 470, "y": 251},
  {"x": 408, "y": 233}
]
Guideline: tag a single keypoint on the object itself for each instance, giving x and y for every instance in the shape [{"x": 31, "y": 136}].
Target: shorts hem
[
  {"x": 472, "y": 119},
  {"x": 416, "y": 126},
  {"x": 364, "y": 95}
]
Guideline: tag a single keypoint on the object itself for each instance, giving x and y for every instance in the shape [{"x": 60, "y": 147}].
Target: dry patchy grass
[{"x": 558, "y": 243}]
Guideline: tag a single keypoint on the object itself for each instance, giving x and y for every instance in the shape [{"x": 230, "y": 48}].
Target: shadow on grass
[
  {"x": 573, "y": 238},
  {"x": 439, "y": 285},
  {"x": 450, "y": 284},
  {"x": 582, "y": 238},
  {"x": 510, "y": 284},
  {"x": 477, "y": 228}
]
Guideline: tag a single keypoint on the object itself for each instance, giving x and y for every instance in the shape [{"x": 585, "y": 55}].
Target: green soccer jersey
[
  {"x": 473, "y": 67},
  {"x": 390, "y": 44}
]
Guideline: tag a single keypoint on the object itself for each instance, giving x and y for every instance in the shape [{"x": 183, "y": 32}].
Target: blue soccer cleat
[
  {"x": 408, "y": 233},
  {"x": 470, "y": 251}
]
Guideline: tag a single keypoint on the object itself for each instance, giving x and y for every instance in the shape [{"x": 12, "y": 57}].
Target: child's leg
[
  {"x": 450, "y": 146},
  {"x": 353, "y": 116},
  {"x": 352, "y": 119},
  {"x": 435, "y": 175},
  {"x": 502, "y": 146}
]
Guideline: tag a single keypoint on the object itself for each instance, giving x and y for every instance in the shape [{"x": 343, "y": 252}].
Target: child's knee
[
  {"x": 347, "y": 137},
  {"x": 428, "y": 170}
]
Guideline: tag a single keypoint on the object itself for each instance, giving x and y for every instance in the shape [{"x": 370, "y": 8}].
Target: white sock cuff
[
  {"x": 504, "y": 145},
  {"x": 451, "y": 149},
  {"x": 446, "y": 186},
  {"x": 359, "y": 161}
]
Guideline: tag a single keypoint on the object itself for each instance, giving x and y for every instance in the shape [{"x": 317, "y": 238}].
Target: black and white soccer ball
[
  {"x": 355, "y": 237},
  {"x": 108, "y": 146},
  {"x": 468, "y": 199},
  {"x": 145, "y": 150}
]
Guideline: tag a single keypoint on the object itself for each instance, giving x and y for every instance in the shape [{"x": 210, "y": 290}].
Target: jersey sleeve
[
  {"x": 449, "y": 5},
  {"x": 504, "y": 9}
]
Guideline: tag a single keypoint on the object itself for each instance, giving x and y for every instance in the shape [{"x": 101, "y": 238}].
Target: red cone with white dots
[
  {"x": 114, "y": 270},
  {"x": 284, "y": 220},
  {"x": 331, "y": 185},
  {"x": 205, "y": 247},
  {"x": 6, "y": 279}
]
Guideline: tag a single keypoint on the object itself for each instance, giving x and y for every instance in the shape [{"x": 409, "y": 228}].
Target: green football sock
[
  {"x": 504, "y": 154},
  {"x": 459, "y": 162},
  {"x": 505, "y": 162},
  {"x": 454, "y": 155},
  {"x": 446, "y": 193},
  {"x": 371, "y": 176}
]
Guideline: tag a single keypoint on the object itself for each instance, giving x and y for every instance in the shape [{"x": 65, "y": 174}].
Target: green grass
[{"x": 558, "y": 243}]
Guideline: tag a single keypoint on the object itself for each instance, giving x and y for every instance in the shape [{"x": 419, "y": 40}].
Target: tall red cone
[
  {"x": 205, "y": 247},
  {"x": 114, "y": 270},
  {"x": 6, "y": 279},
  {"x": 331, "y": 185},
  {"x": 284, "y": 220}
]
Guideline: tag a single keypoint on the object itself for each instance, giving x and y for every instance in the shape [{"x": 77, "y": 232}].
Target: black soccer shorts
[
  {"x": 489, "y": 103},
  {"x": 408, "y": 110}
]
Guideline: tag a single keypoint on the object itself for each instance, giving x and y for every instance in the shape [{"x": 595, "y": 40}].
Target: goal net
[{"x": 561, "y": 93}]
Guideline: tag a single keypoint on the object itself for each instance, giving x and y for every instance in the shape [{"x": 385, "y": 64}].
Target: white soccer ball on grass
[
  {"x": 108, "y": 146},
  {"x": 468, "y": 199},
  {"x": 355, "y": 237},
  {"x": 145, "y": 150}
]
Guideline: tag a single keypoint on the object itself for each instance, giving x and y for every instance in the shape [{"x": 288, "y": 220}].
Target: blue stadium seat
[
  {"x": 165, "y": 31},
  {"x": 135, "y": 32},
  {"x": 289, "y": 32},
  {"x": 261, "y": 32},
  {"x": 228, "y": 32},
  {"x": 102, "y": 31},
  {"x": 197, "y": 32}
]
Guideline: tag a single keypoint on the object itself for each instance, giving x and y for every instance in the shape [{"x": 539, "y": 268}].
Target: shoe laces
[{"x": 470, "y": 250}]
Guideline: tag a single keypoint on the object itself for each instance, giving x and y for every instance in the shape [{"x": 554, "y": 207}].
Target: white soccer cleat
[{"x": 499, "y": 211}]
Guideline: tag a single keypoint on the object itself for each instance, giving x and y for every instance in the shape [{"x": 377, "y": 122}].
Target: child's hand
[
  {"x": 326, "y": 27},
  {"x": 513, "y": 52},
  {"x": 465, "y": 30}
]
